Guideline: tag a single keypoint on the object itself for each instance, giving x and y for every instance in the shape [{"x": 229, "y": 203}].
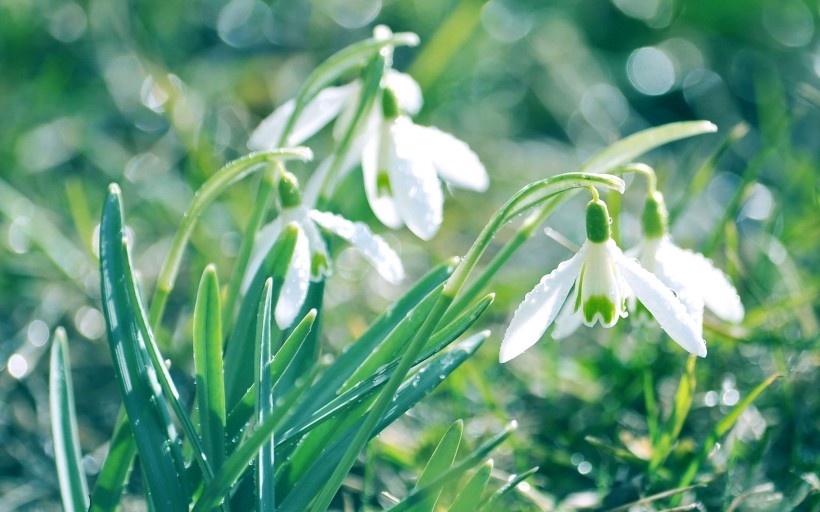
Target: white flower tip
[
  {"x": 701, "y": 352},
  {"x": 710, "y": 126},
  {"x": 511, "y": 348},
  {"x": 406, "y": 39},
  {"x": 303, "y": 153}
]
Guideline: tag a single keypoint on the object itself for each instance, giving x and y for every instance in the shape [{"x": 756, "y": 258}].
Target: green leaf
[
  {"x": 240, "y": 350},
  {"x": 411, "y": 392},
  {"x": 110, "y": 482},
  {"x": 356, "y": 353},
  {"x": 720, "y": 430},
  {"x": 492, "y": 502},
  {"x": 67, "y": 453},
  {"x": 458, "y": 470},
  {"x": 265, "y": 488},
  {"x": 240, "y": 414},
  {"x": 342, "y": 412},
  {"x": 469, "y": 496},
  {"x": 439, "y": 463},
  {"x": 680, "y": 409},
  {"x": 146, "y": 405},
  {"x": 210, "y": 386},
  {"x": 628, "y": 148}
]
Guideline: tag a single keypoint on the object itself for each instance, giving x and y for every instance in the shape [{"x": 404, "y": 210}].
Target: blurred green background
[{"x": 157, "y": 95}]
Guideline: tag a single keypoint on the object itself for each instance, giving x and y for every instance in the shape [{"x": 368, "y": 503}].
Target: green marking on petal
[
  {"x": 318, "y": 264},
  {"x": 390, "y": 104},
  {"x": 598, "y": 222},
  {"x": 655, "y": 218},
  {"x": 383, "y": 186},
  {"x": 599, "y": 304}
]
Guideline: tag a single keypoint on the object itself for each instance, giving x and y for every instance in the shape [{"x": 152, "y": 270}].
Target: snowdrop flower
[
  {"x": 402, "y": 162},
  {"x": 603, "y": 279},
  {"x": 691, "y": 275},
  {"x": 310, "y": 257}
]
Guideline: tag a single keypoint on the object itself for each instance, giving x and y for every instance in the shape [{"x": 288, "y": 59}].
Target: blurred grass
[{"x": 158, "y": 95}]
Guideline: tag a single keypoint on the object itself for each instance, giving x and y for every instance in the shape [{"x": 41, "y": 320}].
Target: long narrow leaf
[
  {"x": 469, "y": 496},
  {"x": 210, "y": 385},
  {"x": 512, "y": 483},
  {"x": 240, "y": 350},
  {"x": 411, "y": 392},
  {"x": 110, "y": 482},
  {"x": 346, "y": 364},
  {"x": 439, "y": 463},
  {"x": 300, "y": 461},
  {"x": 242, "y": 412},
  {"x": 145, "y": 404},
  {"x": 458, "y": 470},
  {"x": 67, "y": 454},
  {"x": 265, "y": 488},
  {"x": 721, "y": 429},
  {"x": 680, "y": 409},
  {"x": 626, "y": 149}
]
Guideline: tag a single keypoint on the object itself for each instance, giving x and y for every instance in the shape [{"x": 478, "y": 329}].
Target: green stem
[{"x": 226, "y": 176}]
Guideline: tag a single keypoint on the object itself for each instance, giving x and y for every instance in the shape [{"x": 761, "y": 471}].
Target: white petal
[
  {"x": 454, "y": 160},
  {"x": 346, "y": 115},
  {"x": 568, "y": 320},
  {"x": 262, "y": 244},
  {"x": 714, "y": 286},
  {"x": 321, "y": 109},
  {"x": 662, "y": 303},
  {"x": 316, "y": 114},
  {"x": 316, "y": 181},
  {"x": 415, "y": 185},
  {"x": 407, "y": 91},
  {"x": 297, "y": 279},
  {"x": 315, "y": 241},
  {"x": 539, "y": 308},
  {"x": 267, "y": 134},
  {"x": 373, "y": 247},
  {"x": 382, "y": 205}
]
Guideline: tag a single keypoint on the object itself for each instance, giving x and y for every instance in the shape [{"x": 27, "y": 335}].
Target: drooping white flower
[
  {"x": 310, "y": 258},
  {"x": 402, "y": 162},
  {"x": 603, "y": 278},
  {"x": 691, "y": 275}
]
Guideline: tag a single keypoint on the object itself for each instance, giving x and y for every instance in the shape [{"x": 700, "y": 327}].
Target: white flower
[
  {"x": 402, "y": 162},
  {"x": 603, "y": 279},
  {"x": 693, "y": 277},
  {"x": 310, "y": 258}
]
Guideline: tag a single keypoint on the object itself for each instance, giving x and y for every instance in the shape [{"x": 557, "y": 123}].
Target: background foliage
[{"x": 157, "y": 95}]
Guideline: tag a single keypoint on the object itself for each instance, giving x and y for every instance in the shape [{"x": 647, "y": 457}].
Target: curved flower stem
[
  {"x": 534, "y": 194},
  {"x": 642, "y": 169},
  {"x": 226, "y": 176}
]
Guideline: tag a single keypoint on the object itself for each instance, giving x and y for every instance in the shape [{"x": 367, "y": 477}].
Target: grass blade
[
  {"x": 243, "y": 411},
  {"x": 458, "y": 470},
  {"x": 121, "y": 452},
  {"x": 626, "y": 149},
  {"x": 512, "y": 483},
  {"x": 410, "y": 393},
  {"x": 680, "y": 409},
  {"x": 67, "y": 453},
  {"x": 439, "y": 463},
  {"x": 352, "y": 358},
  {"x": 240, "y": 351},
  {"x": 265, "y": 488},
  {"x": 720, "y": 430},
  {"x": 146, "y": 406},
  {"x": 210, "y": 385},
  {"x": 469, "y": 496}
]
